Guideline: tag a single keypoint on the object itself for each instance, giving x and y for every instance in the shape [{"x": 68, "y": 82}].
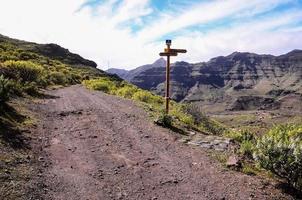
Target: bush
[
  {"x": 57, "y": 78},
  {"x": 24, "y": 71},
  {"x": 127, "y": 91},
  {"x": 200, "y": 120},
  {"x": 4, "y": 89},
  {"x": 280, "y": 151},
  {"x": 164, "y": 120},
  {"x": 194, "y": 111},
  {"x": 102, "y": 84},
  {"x": 178, "y": 113},
  {"x": 30, "y": 88},
  {"x": 147, "y": 97},
  {"x": 241, "y": 136},
  {"x": 247, "y": 148}
]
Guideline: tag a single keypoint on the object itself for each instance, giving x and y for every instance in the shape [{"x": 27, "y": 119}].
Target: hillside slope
[{"x": 52, "y": 51}]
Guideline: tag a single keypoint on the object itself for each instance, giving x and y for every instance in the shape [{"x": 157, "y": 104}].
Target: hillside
[
  {"x": 51, "y": 51},
  {"x": 272, "y": 80}
]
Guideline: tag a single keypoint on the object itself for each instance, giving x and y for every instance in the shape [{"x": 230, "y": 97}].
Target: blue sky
[{"x": 130, "y": 33}]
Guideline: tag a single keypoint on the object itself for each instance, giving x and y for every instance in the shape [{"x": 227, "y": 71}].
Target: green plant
[
  {"x": 280, "y": 151},
  {"x": 102, "y": 84},
  {"x": 247, "y": 148},
  {"x": 164, "y": 120},
  {"x": 57, "y": 78},
  {"x": 24, "y": 71},
  {"x": 30, "y": 88},
  {"x": 177, "y": 111},
  {"x": 127, "y": 91},
  {"x": 4, "y": 89},
  {"x": 240, "y": 136},
  {"x": 147, "y": 97}
]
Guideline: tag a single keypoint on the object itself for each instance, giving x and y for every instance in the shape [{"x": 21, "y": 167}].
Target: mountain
[
  {"x": 131, "y": 74},
  {"x": 240, "y": 80},
  {"x": 122, "y": 73},
  {"x": 52, "y": 51}
]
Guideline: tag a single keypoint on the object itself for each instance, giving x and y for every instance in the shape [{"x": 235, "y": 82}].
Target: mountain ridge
[{"x": 226, "y": 78}]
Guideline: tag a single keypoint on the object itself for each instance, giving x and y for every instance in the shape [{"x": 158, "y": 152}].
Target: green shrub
[
  {"x": 30, "y": 88},
  {"x": 96, "y": 85},
  {"x": 164, "y": 120},
  {"x": 280, "y": 151},
  {"x": 194, "y": 111},
  {"x": 57, "y": 78},
  {"x": 247, "y": 148},
  {"x": 24, "y": 71},
  {"x": 4, "y": 89},
  {"x": 240, "y": 136},
  {"x": 147, "y": 97},
  {"x": 178, "y": 113},
  {"x": 102, "y": 84},
  {"x": 16, "y": 87},
  {"x": 127, "y": 91}
]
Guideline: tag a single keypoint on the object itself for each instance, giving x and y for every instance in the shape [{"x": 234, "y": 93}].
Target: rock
[
  {"x": 192, "y": 133},
  {"x": 233, "y": 161}
]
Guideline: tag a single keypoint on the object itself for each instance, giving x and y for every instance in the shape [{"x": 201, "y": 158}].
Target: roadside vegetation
[
  {"x": 278, "y": 151},
  {"x": 183, "y": 117},
  {"x": 25, "y": 72}
]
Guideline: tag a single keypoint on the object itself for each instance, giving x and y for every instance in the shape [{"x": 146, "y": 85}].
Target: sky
[{"x": 130, "y": 33}]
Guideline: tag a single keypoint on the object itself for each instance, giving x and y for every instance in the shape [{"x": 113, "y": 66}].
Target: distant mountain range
[
  {"x": 131, "y": 74},
  {"x": 239, "y": 80}
]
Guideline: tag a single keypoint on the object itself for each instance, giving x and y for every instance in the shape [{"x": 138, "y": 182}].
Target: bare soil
[{"x": 96, "y": 146}]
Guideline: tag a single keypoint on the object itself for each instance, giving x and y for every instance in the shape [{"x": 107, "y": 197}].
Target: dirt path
[{"x": 96, "y": 146}]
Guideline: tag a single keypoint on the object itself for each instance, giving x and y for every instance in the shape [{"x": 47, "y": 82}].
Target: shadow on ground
[
  {"x": 42, "y": 95},
  {"x": 288, "y": 189}
]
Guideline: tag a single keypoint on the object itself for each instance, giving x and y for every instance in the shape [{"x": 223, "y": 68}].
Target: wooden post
[
  {"x": 167, "y": 84},
  {"x": 169, "y": 52}
]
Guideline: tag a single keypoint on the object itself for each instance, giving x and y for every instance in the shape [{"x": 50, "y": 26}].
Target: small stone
[
  {"x": 233, "y": 161},
  {"x": 192, "y": 133}
]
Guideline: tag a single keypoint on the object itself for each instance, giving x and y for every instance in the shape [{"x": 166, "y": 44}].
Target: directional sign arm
[
  {"x": 168, "y": 54},
  {"x": 175, "y": 51}
]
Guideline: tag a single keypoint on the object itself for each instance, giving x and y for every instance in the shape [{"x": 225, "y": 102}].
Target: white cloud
[{"x": 104, "y": 33}]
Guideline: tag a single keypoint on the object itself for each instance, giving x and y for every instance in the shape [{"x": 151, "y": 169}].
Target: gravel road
[{"x": 97, "y": 146}]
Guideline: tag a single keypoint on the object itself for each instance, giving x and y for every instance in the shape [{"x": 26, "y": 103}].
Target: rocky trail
[{"x": 95, "y": 146}]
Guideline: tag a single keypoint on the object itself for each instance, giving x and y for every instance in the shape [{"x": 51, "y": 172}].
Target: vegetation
[
  {"x": 4, "y": 89},
  {"x": 24, "y": 72},
  {"x": 183, "y": 116},
  {"x": 280, "y": 151},
  {"x": 246, "y": 141}
]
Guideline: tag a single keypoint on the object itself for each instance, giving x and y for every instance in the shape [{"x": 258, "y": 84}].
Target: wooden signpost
[{"x": 169, "y": 52}]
